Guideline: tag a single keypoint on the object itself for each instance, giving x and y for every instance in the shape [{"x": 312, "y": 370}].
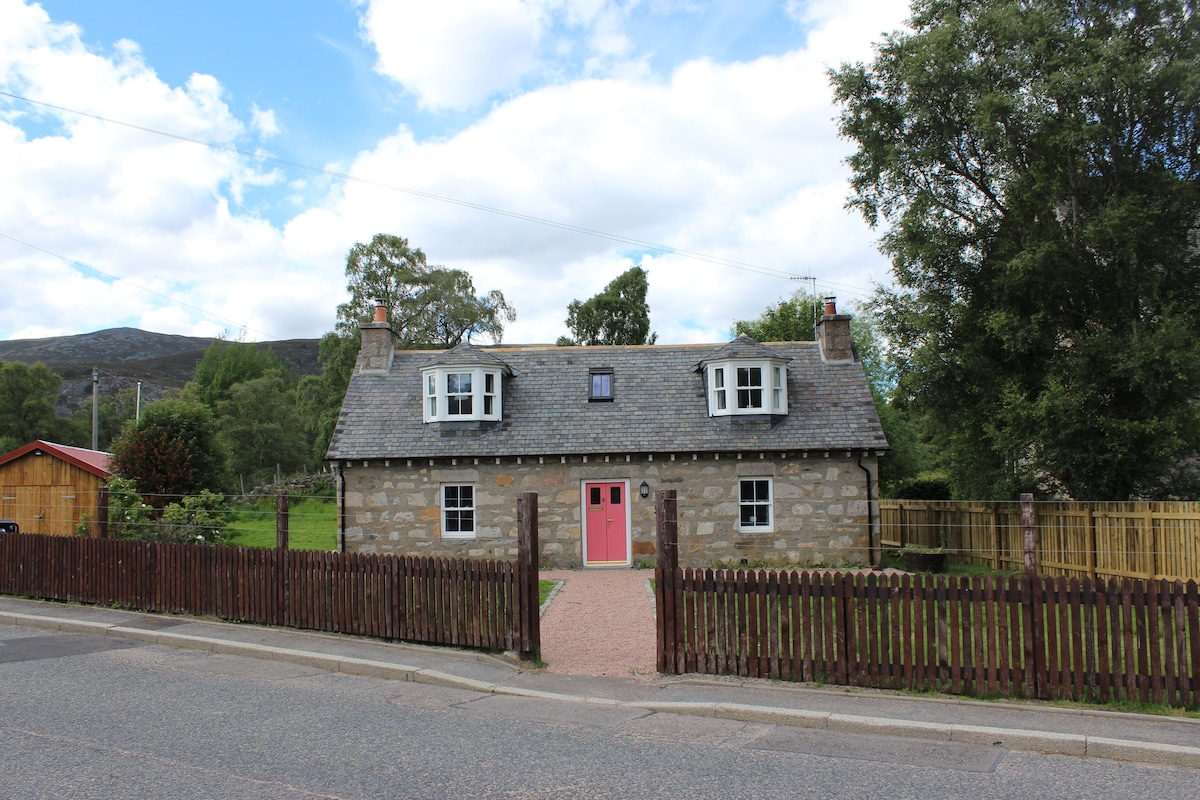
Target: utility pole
[{"x": 95, "y": 409}]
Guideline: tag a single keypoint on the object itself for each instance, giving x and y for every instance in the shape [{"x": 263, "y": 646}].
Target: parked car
[{"x": 9, "y": 526}]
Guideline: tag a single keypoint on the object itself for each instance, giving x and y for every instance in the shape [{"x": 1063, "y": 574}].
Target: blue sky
[{"x": 705, "y": 127}]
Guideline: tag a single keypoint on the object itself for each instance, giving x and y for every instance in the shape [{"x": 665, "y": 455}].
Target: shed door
[{"x": 606, "y": 531}]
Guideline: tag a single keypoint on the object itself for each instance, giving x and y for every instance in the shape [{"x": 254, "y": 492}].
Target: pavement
[{"x": 1036, "y": 727}]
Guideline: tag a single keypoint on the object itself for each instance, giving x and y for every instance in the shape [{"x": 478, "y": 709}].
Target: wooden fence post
[
  {"x": 666, "y": 569},
  {"x": 1035, "y": 640},
  {"x": 281, "y": 520},
  {"x": 102, "y": 513},
  {"x": 529, "y": 633},
  {"x": 1029, "y": 534}
]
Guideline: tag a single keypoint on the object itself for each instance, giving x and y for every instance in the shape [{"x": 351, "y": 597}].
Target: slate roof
[{"x": 658, "y": 406}]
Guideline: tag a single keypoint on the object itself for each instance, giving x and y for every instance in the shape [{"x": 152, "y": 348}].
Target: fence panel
[
  {"x": 1155, "y": 541},
  {"x": 1057, "y": 638},
  {"x": 469, "y": 604}
]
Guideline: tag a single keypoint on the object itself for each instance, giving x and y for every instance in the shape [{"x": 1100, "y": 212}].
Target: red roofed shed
[{"x": 47, "y": 487}]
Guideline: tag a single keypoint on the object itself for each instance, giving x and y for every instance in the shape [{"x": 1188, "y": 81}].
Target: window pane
[
  {"x": 749, "y": 376},
  {"x": 489, "y": 383},
  {"x": 615, "y": 495},
  {"x": 749, "y": 398},
  {"x": 451, "y": 495},
  {"x": 601, "y": 385},
  {"x": 488, "y": 404},
  {"x": 594, "y": 496},
  {"x": 719, "y": 377}
]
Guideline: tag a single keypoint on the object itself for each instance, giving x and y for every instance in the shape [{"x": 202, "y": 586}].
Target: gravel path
[{"x": 600, "y": 622}]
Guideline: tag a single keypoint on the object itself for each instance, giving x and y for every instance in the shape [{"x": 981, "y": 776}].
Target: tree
[
  {"x": 263, "y": 429},
  {"x": 27, "y": 395},
  {"x": 1036, "y": 164},
  {"x": 114, "y": 412},
  {"x": 618, "y": 315},
  {"x": 321, "y": 396},
  {"x": 226, "y": 364},
  {"x": 790, "y": 320},
  {"x": 173, "y": 450},
  {"x": 426, "y": 306}
]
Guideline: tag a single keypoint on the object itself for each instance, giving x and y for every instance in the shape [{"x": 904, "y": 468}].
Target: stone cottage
[{"x": 772, "y": 448}]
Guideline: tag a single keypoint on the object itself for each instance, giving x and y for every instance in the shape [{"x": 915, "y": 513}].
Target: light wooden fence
[{"x": 1155, "y": 541}]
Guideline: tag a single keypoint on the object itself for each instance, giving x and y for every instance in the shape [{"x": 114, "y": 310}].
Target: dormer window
[
  {"x": 461, "y": 393},
  {"x": 746, "y": 387}
]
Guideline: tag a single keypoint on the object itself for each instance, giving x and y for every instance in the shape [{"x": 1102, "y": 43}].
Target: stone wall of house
[{"x": 820, "y": 507}]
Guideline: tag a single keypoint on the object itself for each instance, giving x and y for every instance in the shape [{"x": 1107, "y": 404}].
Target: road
[{"x": 92, "y": 717}]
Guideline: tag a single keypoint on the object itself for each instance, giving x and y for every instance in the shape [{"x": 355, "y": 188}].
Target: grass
[
  {"x": 545, "y": 587},
  {"x": 312, "y": 524}
]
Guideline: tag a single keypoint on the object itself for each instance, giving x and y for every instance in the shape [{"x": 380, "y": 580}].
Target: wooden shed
[{"x": 46, "y": 488}]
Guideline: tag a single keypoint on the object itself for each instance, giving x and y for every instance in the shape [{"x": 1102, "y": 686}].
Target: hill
[{"x": 162, "y": 362}]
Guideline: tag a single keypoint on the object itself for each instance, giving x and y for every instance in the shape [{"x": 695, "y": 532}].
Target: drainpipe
[
  {"x": 872, "y": 516},
  {"x": 341, "y": 509}
]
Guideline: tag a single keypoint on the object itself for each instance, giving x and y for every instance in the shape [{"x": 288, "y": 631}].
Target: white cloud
[
  {"x": 264, "y": 121},
  {"x": 739, "y": 161},
  {"x": 457, "y": 54}
]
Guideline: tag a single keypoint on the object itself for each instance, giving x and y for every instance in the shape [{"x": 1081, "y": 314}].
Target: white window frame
[
  {"x": 757, "y": 503},
  {"x": 485, "y": 403},
  {"x": 725, "y": 390},
  {"x": 458, "y": 509}
]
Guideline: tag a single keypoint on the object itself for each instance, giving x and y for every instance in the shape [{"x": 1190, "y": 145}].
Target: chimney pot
[
  {"x": 831, "y": 305},
  {"x": 380, "y": 312}
]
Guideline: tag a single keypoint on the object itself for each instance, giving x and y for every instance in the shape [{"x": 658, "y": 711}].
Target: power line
[
  {"x": 174, "y": 300},
  {"x": 227, "y": 148}
]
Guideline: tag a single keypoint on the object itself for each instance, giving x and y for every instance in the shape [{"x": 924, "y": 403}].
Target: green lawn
[{"x": 312, "y": 524}]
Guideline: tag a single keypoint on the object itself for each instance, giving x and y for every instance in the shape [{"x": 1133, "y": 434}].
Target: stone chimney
[
  {"x": 833, "y": 334},
  {"x": 378, "y": 343}
]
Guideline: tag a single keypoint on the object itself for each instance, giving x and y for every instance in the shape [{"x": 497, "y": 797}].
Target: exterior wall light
[{"x": 644, "y": 490}]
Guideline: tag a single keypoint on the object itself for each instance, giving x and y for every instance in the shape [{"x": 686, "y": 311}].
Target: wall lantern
[{"x": 644, "y": 490}]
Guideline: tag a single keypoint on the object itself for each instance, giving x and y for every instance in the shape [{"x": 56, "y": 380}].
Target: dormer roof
[
  {"x": 465, "y": 354},
  {"x": 743, "y": 347}
]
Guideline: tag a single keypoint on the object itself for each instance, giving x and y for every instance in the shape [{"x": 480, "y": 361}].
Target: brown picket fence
[
  {"x": 1046, "y": 637},
  {"x": 469, "y": 603}
]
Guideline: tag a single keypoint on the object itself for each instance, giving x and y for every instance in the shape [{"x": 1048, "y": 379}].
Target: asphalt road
[{"x": 92, "y": 717}]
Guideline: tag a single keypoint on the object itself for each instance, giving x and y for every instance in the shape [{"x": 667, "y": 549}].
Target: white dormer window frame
[
  {"x": 454, "y": 394},
  {"x": 746, "y": 386}
]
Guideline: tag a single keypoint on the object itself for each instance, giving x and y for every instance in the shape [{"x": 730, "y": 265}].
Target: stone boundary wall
[{"x": 820, "y": 507}]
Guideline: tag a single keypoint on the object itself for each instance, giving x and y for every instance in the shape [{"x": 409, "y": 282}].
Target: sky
[{"x": 204, "y": 168}]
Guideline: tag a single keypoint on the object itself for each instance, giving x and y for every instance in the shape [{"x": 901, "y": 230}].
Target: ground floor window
[
  {"x": 754, "y": 504},
  {"x": 458, "y": 510}
]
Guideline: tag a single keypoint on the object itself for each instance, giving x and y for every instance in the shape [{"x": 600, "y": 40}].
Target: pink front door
[{"x": 606, "y": 532}]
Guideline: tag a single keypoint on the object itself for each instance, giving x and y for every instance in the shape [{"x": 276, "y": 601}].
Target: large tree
[
  {"x": 792, "y": 319},
  {"x": 1035, "y": 164},
  {"x": 27, "y": 394},
  {"x": 173, "y": 450},
  {"x": 426, "y": 306},
  {"x": 618, "y": 315},
  {"x": 261, "y": 424},
  {"x": 228, "y": 363}
]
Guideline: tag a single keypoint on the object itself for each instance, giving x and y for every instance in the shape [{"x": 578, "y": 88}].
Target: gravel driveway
[{"x": 600, "y": 622}]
